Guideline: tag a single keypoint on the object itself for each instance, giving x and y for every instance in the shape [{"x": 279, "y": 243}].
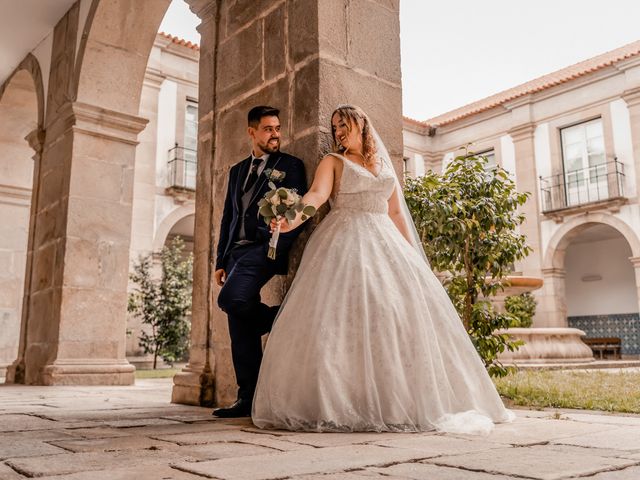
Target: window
[
  {"x": 491, "y": 158},
  {"x": 190, "y": 144},
  {"x": 405, "y": 166},
  {"x": 584, "y": 161}
]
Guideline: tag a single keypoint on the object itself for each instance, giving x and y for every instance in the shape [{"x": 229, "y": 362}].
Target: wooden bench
[{"x": 604, "y": 346}]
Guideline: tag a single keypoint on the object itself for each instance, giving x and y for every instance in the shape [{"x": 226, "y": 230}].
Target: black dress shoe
[{"x": 242, "y": 408}]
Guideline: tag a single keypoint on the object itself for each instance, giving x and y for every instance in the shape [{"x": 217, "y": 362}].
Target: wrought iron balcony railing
[
  {"x": 182, "y": 168},
  {"x": 579, "y": 187}
]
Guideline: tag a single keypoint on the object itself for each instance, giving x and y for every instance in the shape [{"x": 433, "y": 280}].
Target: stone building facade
[{"x": 571, "y": 139}]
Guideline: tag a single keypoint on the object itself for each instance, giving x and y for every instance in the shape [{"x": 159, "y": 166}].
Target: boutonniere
[{"x": 274, "y": 175}]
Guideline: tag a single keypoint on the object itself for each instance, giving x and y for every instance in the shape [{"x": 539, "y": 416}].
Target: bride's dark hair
[{"x": 353, "y": 115}]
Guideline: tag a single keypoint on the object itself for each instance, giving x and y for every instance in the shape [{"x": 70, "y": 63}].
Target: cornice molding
[
  {"x": 96, "y": 121},
  {"x": 522, "y": 132},
  {"x": 631, "y": 96}
]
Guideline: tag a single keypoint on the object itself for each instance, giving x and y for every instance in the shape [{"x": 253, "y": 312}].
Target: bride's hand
[{"x": 284, "y": 225}]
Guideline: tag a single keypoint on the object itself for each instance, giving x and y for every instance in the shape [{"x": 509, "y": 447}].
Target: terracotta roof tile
[
  {"x": 537, "y": 85},
  {"x": 180, "y": 41}
]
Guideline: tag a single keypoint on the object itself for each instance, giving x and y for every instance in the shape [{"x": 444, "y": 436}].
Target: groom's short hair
[{"x": 256, "y": 113}]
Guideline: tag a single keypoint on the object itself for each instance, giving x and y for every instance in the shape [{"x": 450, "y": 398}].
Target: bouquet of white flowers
[{"x": 278, "y": 203}]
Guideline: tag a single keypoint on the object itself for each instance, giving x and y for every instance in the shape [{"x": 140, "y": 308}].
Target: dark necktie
[{"x": 253, "y": 174}]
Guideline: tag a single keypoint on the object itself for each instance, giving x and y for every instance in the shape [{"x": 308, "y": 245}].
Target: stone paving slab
[
  {"x": 357, "y": 475},
  {"x": 22, "y": 422},
  {"x": 8, "y": 473},
  {"x": 181, "y": 428},
  {"x": 88, "y": 461},
  {"x": 336, "y": 439},
  {"x": 541, "y": 462},
  {"x": 631, "y": 473},
  {"x": 607, "y": 418},
  {"x": 135, "y": 473},
  {"x": 117, "y": 414},
  {"x": 217, "y": 450},
  {"x": 39, "y": 436},
  {"x": 112, "y": 444},
  {"x": 537, "y": 431},
  {"x": 423, "y": 471},
  {"x": 287, "y": 464},
  {"x": 142, "y": 422},
  {"x": 620, "y": 438},
  {"x": 436, "y": 445},
  {"x": 600, "y": 452},
  {"x": 97, "y": 432},
  {"x": 27, "y": 449},
  {"x": 237, "y": 436}
]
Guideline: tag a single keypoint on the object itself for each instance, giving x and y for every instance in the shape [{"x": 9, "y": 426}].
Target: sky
[{"x": 454, "y": 52}]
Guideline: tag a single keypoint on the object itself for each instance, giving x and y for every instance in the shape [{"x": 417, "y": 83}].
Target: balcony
[
  {"x": 182, "y": 166},
  {"x": 596, "y": 187}
]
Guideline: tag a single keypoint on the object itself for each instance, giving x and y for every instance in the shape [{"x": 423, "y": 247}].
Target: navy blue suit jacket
[{"x": 295, "y": 178}]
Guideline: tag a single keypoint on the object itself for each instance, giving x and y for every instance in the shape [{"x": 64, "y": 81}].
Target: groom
[{"x": 242, "y": 265}]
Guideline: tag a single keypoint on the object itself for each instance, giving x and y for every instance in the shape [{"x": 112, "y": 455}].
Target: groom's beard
[{"x": 272, "y": 146}]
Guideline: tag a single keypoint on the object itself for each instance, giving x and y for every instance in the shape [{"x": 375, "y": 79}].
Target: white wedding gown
[{"x": 367, "y": 338}]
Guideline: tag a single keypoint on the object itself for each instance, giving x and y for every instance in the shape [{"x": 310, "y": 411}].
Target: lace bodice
[{"x": 361, "y": 190}]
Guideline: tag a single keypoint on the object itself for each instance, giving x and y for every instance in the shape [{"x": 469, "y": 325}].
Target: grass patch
[
  {"x": 159, "y": 373},
  {"x": 588, "y": 390}
]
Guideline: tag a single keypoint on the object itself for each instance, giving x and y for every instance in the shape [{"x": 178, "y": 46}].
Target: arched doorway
[
  {"x": 182, "y": 227},
  {"x": 21, "y": 111},
  {"x": 591, "y": 279},
  {"x": 600, "y": 286}
]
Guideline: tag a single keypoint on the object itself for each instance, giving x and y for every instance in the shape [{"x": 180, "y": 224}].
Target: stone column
[
  {"x": 304, "y": 57},
  {"x": 16, "y": 372},
  {"x": 632, "y": 98},
  {"x": 635, "y": 261},
  {"x": 526, "y": 179},
  {"x": 552, "y": 309},
  {"x": 76, "y": 316},
  {"x": 195, "y": 383}
]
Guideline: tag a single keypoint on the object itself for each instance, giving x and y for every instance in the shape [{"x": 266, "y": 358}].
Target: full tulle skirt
[{"x": 367, "y": 339}]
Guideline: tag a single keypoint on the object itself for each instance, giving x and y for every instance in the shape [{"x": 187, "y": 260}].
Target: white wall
[
  {"x": 167, "y": 110},
  {"x": 623, "y": 146},
  {"x": 508, "y": 156},
  {"x": 614, "y": 293}
]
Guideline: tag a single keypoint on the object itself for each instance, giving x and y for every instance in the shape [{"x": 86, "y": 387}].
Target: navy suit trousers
[{"x": 248, "y": 269}]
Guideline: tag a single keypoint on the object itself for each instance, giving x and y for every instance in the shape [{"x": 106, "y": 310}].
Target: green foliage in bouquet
[
  {"x": 163, "y": 303},
  {"x": 522, "y": 308},
  {"x": 283, "y": 202},
  {"x": 467, "y": 219}
]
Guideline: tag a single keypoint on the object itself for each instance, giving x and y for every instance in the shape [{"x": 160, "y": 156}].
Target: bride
[{"x": 367, "y": 338}]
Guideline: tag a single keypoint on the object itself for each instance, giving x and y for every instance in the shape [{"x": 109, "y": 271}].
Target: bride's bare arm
[
  {"x": 395, "y": 212},
  {"x": 319, "y": 192}
]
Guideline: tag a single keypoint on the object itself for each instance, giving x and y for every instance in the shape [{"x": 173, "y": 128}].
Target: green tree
[
  {"x": 522, "y": 307},
  {"x": 164, "y": 303},
  {"x": 467, "y": 218}
]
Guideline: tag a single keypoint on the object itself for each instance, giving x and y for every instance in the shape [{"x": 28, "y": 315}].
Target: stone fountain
[{"x": 542, "y": 345}]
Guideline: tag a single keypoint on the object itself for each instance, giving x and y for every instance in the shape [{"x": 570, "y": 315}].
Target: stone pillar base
[
  {"x": 15, "y": 372},
  {"x": 89, "y": 372},
  {"x": 193, "y": 387}
]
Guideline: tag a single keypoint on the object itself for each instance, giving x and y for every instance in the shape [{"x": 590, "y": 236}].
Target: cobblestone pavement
[{"x": 133, "y": 433}]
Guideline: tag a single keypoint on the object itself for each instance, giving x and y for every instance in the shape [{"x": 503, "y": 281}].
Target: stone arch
[
  {"x": 167, "y": 224},
  {"x": 112, "y": 56},
  {"x": 21, "y": 139},
  {"x": 555, "y": 252},
  {"x": 31, "y": 66},
  {"x": 96, "y": 88}
]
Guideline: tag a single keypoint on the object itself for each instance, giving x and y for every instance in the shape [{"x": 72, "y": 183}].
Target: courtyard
[{"x": 133, "y": 432}]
